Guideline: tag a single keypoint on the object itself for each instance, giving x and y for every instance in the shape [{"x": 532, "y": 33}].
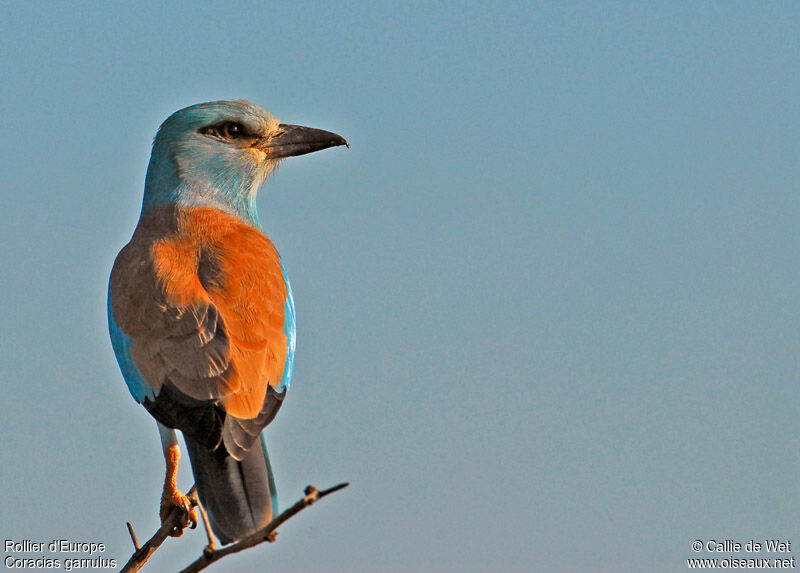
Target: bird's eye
[
  {"x": 226, "y": 130},
  {"x": 230, "y": 130}
]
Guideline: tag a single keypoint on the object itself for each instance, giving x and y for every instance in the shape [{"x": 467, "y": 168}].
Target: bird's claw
[{"x": 172, "y": 499}]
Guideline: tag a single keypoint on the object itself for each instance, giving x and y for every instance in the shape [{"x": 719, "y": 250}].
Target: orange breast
[{"x": 214, "y": 256}]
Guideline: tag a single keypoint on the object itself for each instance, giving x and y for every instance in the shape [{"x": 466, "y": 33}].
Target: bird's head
[{"x": 219, "y": 153}]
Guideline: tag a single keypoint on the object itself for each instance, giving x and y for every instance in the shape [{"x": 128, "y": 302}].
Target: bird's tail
[{"x": 239, "y": 495}]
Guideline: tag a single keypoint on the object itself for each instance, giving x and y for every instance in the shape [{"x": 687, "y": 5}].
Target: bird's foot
[{"x": 172, "y": 498}]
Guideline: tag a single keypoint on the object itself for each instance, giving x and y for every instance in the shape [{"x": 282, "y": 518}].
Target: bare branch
[
  {"x": 210, "y": 553},
  {"x": 266, "y": 533}
]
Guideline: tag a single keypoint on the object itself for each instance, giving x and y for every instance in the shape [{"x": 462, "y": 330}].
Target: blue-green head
[{"x": 218, "y": 154}]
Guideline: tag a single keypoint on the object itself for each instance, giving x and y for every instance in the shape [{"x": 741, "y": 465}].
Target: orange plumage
[{"x": 202, "y": 296}]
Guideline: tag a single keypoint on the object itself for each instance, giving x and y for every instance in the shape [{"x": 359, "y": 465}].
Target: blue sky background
[{"x": 547, "y": 302}]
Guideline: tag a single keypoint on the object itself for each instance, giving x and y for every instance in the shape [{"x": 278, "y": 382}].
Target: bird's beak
[{"x": 292, "y": 140}]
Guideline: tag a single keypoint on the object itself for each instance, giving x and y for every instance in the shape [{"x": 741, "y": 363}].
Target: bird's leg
[{"x": 171, "y": 496}]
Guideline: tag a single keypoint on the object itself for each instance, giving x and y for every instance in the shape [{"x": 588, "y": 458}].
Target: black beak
[{"x": 293, "y": 140}]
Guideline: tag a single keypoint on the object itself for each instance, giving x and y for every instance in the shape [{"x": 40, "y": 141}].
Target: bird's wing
[{"x": 200, "y": 306}]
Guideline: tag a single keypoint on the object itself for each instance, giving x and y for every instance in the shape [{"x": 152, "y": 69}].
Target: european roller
[{"x": 200, "y": 311}]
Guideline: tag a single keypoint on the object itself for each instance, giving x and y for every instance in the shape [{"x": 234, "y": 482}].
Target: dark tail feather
[{"x": 239, "y": 496}]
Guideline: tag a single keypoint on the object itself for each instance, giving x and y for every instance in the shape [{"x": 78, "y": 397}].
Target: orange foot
[{"x": 172, "y": 498}]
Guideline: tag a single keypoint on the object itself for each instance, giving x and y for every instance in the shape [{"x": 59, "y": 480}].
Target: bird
[{"x": 200, "y": 311}]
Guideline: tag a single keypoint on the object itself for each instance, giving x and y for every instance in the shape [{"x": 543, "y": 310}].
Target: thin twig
[
  {"x": 136, "y": 545},
  {"x": 212, "y": 544},
  {"x": 266, "y": 533},
  {"x": 142, "y": 554}
]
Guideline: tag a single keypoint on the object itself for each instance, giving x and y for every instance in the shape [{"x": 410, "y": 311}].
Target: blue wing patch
[
  {"x": 121, "y": 342},
  {"x": 290, "y": 330}
]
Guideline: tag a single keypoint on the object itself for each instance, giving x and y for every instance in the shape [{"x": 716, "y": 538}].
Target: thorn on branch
[
  {"x": 311, "y": 494},
  {"x": 136, "y": 545}
]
